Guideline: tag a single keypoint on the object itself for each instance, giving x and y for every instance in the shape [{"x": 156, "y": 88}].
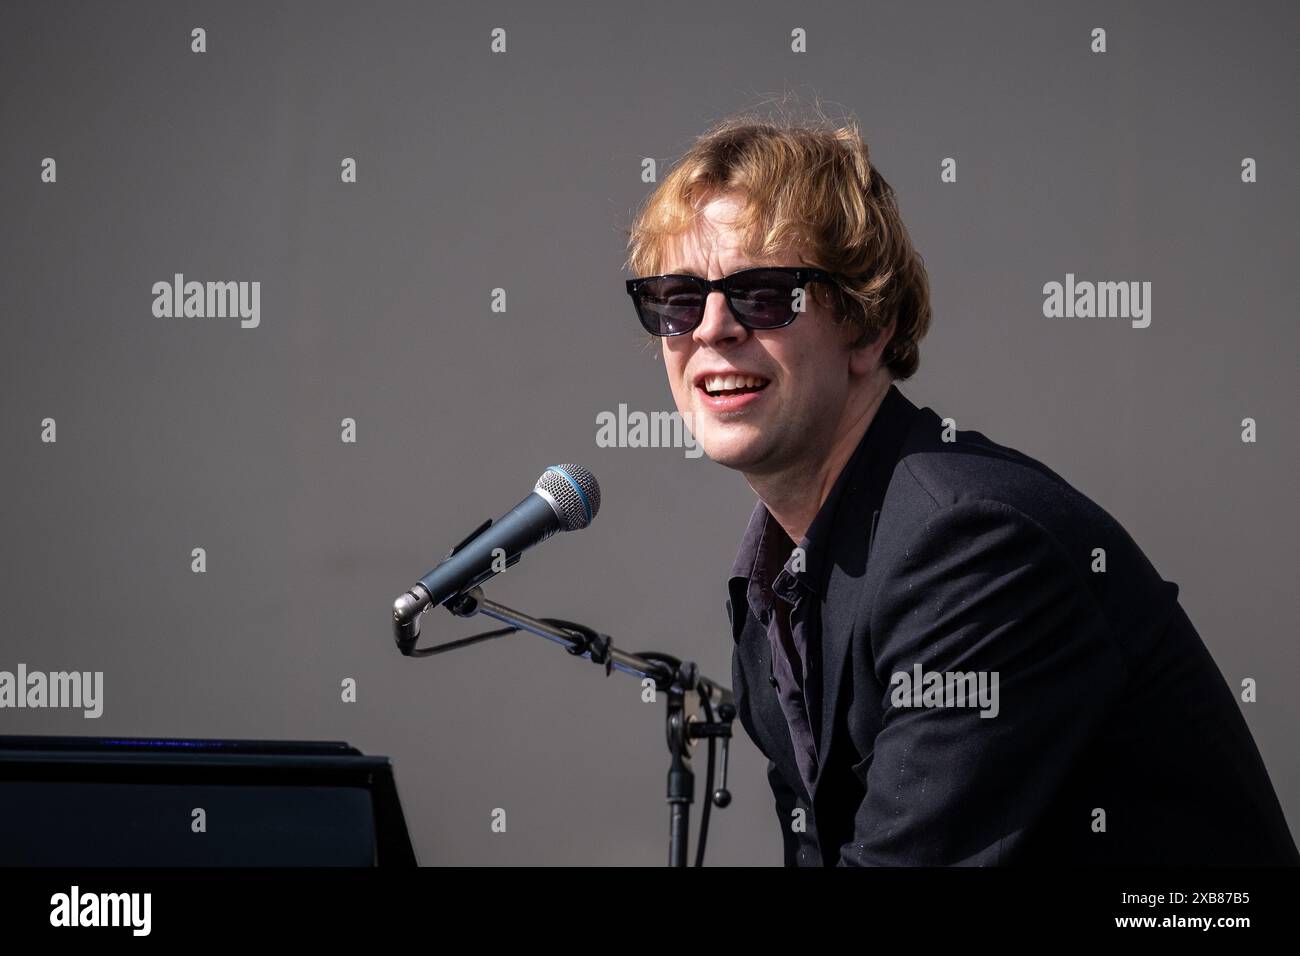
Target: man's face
[{"x": 794, "y": 418}]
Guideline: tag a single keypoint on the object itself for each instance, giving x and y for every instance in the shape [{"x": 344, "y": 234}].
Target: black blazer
[{"x": 1117, "y": 740}]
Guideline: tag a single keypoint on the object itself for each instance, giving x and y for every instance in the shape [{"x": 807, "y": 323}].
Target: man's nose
[{"x": 718, "y": 325}]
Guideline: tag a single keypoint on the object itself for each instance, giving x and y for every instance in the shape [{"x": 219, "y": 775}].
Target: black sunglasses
[{"x": 759, "y": 298}]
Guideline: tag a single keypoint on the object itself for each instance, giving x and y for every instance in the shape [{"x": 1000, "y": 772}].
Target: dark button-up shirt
[{"x": 785, "y": 589}]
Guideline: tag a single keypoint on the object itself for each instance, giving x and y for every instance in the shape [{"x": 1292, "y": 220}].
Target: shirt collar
[{"x": 861, "y": 484}]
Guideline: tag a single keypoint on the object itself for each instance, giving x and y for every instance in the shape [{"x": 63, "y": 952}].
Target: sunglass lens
[
  {"x": 764, "y": 299},
  {"x": 668, "y": 306}
]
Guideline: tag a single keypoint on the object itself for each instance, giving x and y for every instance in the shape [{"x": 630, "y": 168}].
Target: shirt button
[{"x": 771, "y": 680}]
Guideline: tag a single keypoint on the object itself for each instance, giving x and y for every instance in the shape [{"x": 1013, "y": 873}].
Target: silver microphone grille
[{"x": 575, "y": 490}]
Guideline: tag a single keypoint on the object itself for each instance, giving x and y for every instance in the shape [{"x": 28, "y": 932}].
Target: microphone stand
[{"x": 674, "y": 677}]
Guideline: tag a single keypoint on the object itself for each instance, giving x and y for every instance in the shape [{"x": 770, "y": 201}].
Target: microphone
[{"x": 565, "y": 498}]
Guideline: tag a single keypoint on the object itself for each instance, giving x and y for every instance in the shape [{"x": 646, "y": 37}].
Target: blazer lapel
[
  {"x": 839, "y": 616},
  {"x": 850, "y": 547}
]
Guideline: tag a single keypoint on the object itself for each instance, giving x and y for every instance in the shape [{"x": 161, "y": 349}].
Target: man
[{"x": 965, "y": 660}]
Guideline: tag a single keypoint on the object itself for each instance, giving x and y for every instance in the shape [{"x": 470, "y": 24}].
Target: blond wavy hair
[{"x": 809, "y": 189}]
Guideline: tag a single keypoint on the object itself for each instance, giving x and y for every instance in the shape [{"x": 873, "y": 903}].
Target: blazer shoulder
[
  {"x": 940, "y": 468},
  {"x": 950, "y": 465}
]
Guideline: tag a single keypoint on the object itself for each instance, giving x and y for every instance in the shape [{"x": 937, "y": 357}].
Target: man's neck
[{"x": 796, "y": 495}]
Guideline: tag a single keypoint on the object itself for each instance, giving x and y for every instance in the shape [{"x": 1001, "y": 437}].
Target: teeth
[{"x": 723, "y": 383}]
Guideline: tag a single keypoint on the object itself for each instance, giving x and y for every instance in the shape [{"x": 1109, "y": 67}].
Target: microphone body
[
  {"x": 566, "y": 498},
  {"x": 530, "y": 522}
]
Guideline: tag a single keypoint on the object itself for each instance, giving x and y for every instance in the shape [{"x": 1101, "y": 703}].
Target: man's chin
[{"x": 730, "y": 451}]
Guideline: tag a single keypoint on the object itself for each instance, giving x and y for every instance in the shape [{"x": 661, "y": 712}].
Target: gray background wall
[{"x": 521, "y": 170}]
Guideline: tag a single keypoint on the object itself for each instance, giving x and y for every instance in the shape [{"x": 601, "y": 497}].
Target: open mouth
[{"x": 722, "y": 385}]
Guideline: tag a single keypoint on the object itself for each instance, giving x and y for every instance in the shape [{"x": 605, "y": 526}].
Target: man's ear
[{"x": 864, "y": 359}]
